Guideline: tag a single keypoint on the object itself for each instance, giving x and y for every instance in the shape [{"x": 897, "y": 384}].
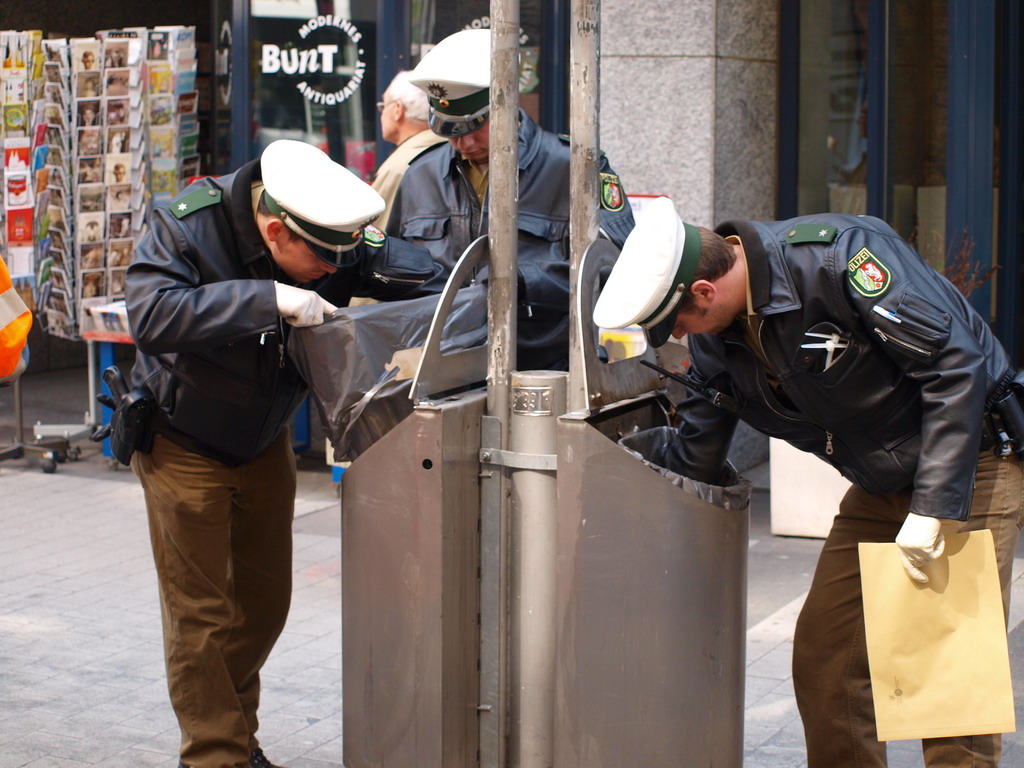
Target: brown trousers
[
  {"x": 222, "y": 542},
  {"x": 830, "y": 663}
]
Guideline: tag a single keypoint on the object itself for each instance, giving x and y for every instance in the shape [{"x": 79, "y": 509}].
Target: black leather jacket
[
  {"x": 900, "y": 407},
  {"x": 437, "y": 207},
  {"x": 203, "y": 314}
]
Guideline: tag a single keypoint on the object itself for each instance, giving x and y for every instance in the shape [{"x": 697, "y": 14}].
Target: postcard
[
  {"x": 53, "y": 73},
  {"x": 87, "y": 112},
  {"x": 116, "y": 111},
  {"x": 187, "y": 103},
  {"x": 55, "y": 158},
  {"x": 119, "y": 197},
  {"x": 17, "y": 153},
  {"x": 91, "y": 256},
  {"x": 116, "y": 170},
  {"x": 90, "y": 170},
  {"x": 120, "y": 254},
  {"x": 85, "y": 55},
  {"x": 54, "y": 93},
  {"x": 90, "y": 141},
  {"x": 164, "y": 178},
  {"x": 161, "y": 109},
  {"x": 90, "y": 228},
  {"x": 94, "y": 283},
  {"x": 87, "y": 85},
  {"x": 119, "y": 225},
  {"x": 56, "y": 216},
  {"x": 59, "y": 278},
  {"x": 116, "y": 82},
  {"x": 115, "y": 53},
  {"x": 116, "y": 284},
  {"x": 158, "y": 45},
  {"x": 56, "y": 51},
  {"x": 118, "y": 139},
  {"x": 17, "y": 189},
  {"x": 159, "y": 77},
  {"x": 15, "y": 119},
  {"x": 189, "y": 167},
  {"x": 55, "y": 117},
  {"x": 161, "y": 141},
  {"x": 90, "y": 197}
]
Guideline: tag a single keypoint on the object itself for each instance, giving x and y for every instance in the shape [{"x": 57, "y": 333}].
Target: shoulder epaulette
[
  {"x": 431, "y": 148},
  {"x": 190, "y": 202},
  {"x": 811, "y": 233},
  {"x": 565, "y": 138}
]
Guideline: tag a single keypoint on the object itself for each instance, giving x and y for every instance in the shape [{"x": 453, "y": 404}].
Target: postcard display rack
[{"x": 96, "y": 131}]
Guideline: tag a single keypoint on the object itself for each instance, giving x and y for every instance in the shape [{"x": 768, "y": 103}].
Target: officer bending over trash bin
[
  {"x": 832, "y": 333},
  {"x": 213, "y": 289},
  {"x": 443, "y": 203}
]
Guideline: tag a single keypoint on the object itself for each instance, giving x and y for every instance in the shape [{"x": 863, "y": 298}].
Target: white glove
[
  {"x": 300, "y": 307},
  {"x": 920, "y": 541}
]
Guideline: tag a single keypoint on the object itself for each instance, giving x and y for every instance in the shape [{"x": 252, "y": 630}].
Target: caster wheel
[
  {"x": 75, "y": 453},
  {"x": 49, "y": 466},
  {"x": 60, "y": 456}
]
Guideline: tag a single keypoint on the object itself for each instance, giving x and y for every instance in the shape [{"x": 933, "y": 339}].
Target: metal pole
[
  {"x": 584, "y": 125},
  {"x": 503, "y": 228},
  {"x": 538, "y": 400}
]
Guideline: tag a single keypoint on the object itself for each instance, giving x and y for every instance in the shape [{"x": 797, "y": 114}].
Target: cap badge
[{"x": 437, "y": 90}]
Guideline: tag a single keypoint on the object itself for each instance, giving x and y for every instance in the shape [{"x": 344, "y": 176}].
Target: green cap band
[
  {"x": 684, "y": 273},
  {"x": 467, "y": 105},
  {"x": 329, "y": 237}
]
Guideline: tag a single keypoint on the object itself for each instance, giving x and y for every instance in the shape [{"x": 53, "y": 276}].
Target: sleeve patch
[
  {"x": 612, "y": 196},
  {"x": 373, "y": 236},
  {"x": 867, "y": 274}
]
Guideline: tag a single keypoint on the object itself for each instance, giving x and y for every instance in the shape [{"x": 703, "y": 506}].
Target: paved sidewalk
[{"x": 81, "y": 668}]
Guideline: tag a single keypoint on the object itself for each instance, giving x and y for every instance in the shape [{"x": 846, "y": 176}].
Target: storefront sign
[
  {"x": 223, "y": 71},
  {"x": 325, "y": 45}
]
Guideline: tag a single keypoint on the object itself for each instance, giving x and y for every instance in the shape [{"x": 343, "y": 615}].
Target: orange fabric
[{"x": 14, "y": 334}]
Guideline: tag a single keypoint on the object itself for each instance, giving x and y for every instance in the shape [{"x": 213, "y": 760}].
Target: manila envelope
[{"x": 937, "y": 651}]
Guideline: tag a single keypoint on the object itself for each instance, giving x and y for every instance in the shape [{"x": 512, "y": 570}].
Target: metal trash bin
[{"x": 651, "y": 602}]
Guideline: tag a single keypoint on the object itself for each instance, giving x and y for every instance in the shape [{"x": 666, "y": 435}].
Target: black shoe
[{"x": 258, "y": 760}]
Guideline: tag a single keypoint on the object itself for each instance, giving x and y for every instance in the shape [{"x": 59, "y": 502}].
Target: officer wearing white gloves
[
  {"x": 832, "y": 333},
  {"x": 213, "y": 292}
]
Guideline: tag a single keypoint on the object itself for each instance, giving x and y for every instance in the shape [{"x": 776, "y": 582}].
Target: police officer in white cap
[
  {"x": 832, "y": 333},
  {"x": 213, "y": 289},
  {"x": 442, "y": 201}
]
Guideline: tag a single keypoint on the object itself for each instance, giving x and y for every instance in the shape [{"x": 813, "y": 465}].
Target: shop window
[
  {"x": 832, "y": 163},
  {"x": 434, "y": 20},
  {"x": 312, "y": 77}
]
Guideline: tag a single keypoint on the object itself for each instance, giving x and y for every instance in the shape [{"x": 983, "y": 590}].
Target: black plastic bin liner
[
  {"x": 649, "y": 446},
  {"x": 358, "y": 387}
]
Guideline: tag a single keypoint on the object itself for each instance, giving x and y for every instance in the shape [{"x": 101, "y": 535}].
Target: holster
[
  {"x": 131, "y": 424},
  {"x": 1006, "y": 415}
]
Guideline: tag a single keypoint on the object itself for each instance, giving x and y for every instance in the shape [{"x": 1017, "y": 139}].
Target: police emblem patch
[
  {"x": 612, "y": 198},
  {"x": 867, "y": 274},
  {"x": 437, "y": 90},
  {"x": 373, "y": 236}
]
